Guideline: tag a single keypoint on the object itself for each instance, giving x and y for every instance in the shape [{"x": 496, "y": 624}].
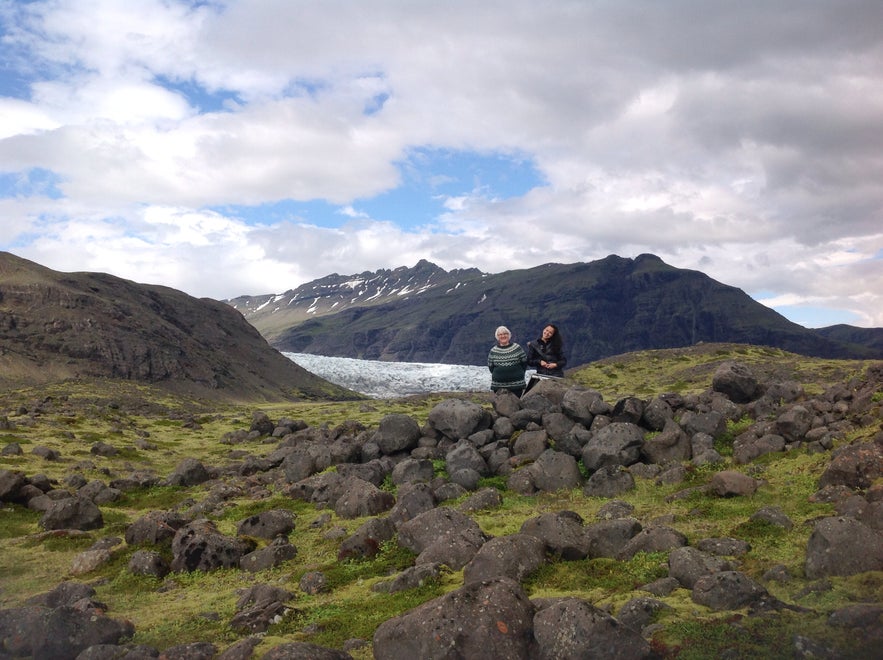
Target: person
[
  {"x": 546, "y": 354},
  {"x": 507, "y": 362}
]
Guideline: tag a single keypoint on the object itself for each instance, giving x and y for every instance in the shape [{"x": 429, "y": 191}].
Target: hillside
[
  {"x": 604, "y": 308},
  {"x": 58, "y": 326},
  {"x": 140, "y": 526}
]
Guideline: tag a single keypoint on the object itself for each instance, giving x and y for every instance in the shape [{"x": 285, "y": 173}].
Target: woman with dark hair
[{"x": 546, "y": 354}]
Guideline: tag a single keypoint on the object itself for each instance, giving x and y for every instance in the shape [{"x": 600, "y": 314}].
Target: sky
[{"x": 245, "y": 147}]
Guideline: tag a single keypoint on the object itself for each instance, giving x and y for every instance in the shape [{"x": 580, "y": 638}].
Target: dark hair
[{"x": 555, "y": 342}]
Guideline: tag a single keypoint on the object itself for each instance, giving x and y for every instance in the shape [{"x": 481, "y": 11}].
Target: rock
[
  {"x": 607, "y": 538},
  {"x": 855, "y": 466},
  {"x": 410, "y": 578},
  {"x": 464, "y": 455},
  {"x": 609, "y": 481},
  {"x": 412, "y": 470},
  {"x": 671, "y": 445},
  {"x": 580, "y": 404},
  {"x": 355, "y": 498},
  {"x": 561, "y": 533},
  {"x": 688, "y": 564},
  {"x": 711, "y": 423},
  {"x": 189, "y": 472},
  {"x": 553, "y": 471},
  {"x": 148, "y": 562},
  {"x": 456, "y": 418},
  {"x": 277, "y": 552},
  {"x": 574, "y": 628},
  {"x": 267, "y": 524},
  {"x": 724, "y": 546},
  {"x": 736, "y": 381},
  {"x": 488, "y": 619},
  {"x": 652, "y": 539},
  {"x": 515, "y": 556},
  {"x": 843, "y": 546},
  {"x": 794, "y": 423},
  {"x": 366, "y": 540},
  {"x": 397, "y": 433},
  {"x": 486, "y": 498},
  {"x": 199, "y": 546},
  {"x": 640, "y": 612},
  {"x": 155, "y": 527},
  {"x": 72, "y": 513},
  {"x": 774, "y": 516},
  {"x": 59, "y": 633},
  {"x": 729, "y": 483},
  {"x": 412, "y": 500},
  {"x": 618, "y": 443},
  {"x": 747, "y": 446},
  {"x": 442, "y": 531},
  {"x": 727, "y": 590}
]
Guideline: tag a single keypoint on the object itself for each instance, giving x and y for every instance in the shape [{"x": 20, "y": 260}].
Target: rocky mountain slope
[
  {"x": 56, "y": 326},
  {"x": 606, "y": 307}
]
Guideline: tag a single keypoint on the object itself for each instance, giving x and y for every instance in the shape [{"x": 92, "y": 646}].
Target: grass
[{"x": 70, "y": 418}]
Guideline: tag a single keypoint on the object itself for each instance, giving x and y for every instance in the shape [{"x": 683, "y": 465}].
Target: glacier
[{"x": 388, "y": 380}]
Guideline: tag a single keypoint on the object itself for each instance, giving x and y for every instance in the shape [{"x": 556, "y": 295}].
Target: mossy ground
[{"x": 72, "y": 417}]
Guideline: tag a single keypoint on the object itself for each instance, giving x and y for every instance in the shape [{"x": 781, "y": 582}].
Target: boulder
[
  {"x": 574, "y": 628},
  {"x": 618, "y": 443},
  {"x": 356, "y": 497},
  {"x": 277, "y": 552},
  {"x": 843, "y": 546},
  {"x": 267, "y": 524},
  {"x": 487, "y": 619},
  {"x": 727, "y": 590},
  {"x": 687, "y": 564},
  {"x": 397, "y": 433},
  {"x": 561, "y": 533},
  {"x": 515, "y": 556},
  {"x": 199, "y": 546},
  {"x": 670, "y": 445},
  {"x": 72, "y": 513},
  {"x": 457, "y": 419},
  {"x": 554, "y": 471},
  {"x": 607, "y": 538},
  {"x": 609, "y": 481},
  {"x": 736, "y": 381}
]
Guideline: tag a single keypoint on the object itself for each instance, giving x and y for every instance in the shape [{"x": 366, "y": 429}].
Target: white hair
[{"x": 502, "y": 329}]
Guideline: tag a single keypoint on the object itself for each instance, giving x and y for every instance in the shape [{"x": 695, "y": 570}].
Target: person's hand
[{"x": 551, "y": 365}]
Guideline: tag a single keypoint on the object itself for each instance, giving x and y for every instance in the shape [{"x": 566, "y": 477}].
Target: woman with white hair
[{"x": 507, "y": 362}]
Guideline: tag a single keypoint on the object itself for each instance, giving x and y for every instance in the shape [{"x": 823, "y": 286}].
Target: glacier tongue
[{"x": 384, "y": 380}]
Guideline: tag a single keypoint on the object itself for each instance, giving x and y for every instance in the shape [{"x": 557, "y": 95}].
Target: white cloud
[{"x": 741, "y": 140}]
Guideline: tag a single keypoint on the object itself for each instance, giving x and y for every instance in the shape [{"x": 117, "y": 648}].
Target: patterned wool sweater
[{"x": 507, "y": 365}]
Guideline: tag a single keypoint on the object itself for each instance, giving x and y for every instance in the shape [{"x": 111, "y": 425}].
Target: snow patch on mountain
[{"x": 387, "y": 380}]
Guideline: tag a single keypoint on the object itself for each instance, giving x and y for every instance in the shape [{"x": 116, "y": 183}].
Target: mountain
[
  {"x": 274, "y": 314},
  {"x": 57, "y": 326},
  {"x": 607, "y": 307},
  {"x": 871, "y": 337}
]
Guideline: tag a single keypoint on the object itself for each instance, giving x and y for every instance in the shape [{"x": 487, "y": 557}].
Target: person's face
[
  {"x": 548, "y": 333},
  {"x": 503, "y": 338}
]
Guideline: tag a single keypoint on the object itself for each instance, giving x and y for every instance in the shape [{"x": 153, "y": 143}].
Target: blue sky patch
[
  {"x": 35, "y": 182},
  {"x": 198, "y": 96},
  {"x": 429, "y": 177}
]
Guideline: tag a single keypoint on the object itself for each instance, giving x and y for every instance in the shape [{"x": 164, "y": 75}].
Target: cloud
[{"x": 148, "y": 139}]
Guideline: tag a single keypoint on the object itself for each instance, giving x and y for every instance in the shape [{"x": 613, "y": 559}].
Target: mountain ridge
[
  {"x": 56, "y": 326},
  {"x": 605, "y": 307}
]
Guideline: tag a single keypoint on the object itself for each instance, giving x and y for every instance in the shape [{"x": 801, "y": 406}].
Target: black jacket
[{"x": 539, "y": 350}]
